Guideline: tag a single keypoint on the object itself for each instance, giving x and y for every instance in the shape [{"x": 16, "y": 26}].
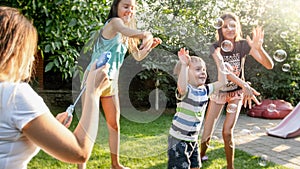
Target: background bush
[{"x": 64, "y": 26}]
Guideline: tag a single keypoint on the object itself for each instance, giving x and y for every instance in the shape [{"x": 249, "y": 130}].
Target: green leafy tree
[
  {"x": 188, "y": 23},
  {"x": 64, "y": 27}
]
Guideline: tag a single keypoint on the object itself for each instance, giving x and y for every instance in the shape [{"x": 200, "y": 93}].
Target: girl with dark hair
[
  {"x": 118, "y": 36},
  {"x": 236, "y": 90}
]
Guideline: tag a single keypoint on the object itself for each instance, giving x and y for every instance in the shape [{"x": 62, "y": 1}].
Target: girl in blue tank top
[{"x": 119, "y": 35}]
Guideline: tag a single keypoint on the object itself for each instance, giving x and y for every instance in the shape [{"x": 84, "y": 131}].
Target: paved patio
[{"x": 250, "y": 136}]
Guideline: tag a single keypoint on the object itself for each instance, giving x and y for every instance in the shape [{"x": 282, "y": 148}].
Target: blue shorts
[{"x": 183, "y": 154}]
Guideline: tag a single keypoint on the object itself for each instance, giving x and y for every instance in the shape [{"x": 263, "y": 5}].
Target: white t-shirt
[{"x": 19, "y": 104}]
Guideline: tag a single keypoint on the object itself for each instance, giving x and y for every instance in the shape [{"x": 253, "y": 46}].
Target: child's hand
[
  {"x": 184, "y": 56},
  {"x": 257, "y": 38},
  {"x": 156, "y": 41},
  {"x": 147, "y": 42},
  {"x": 249, "y": 95}
]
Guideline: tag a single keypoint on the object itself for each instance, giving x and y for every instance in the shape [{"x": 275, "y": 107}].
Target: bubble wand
[{"x": 102, "y": 60}]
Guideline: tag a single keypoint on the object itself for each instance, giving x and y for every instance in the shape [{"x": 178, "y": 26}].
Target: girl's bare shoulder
[{"x": 116, "y": 21}]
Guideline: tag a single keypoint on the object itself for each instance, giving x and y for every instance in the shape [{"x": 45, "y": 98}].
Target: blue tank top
[{"x": 117, "y": 48}]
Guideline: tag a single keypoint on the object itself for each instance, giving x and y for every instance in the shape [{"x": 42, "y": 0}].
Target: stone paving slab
[{"x": 250, "y": 136}]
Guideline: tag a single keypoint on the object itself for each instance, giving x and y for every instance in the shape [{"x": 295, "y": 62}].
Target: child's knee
[{"x": 227, "y": 135}]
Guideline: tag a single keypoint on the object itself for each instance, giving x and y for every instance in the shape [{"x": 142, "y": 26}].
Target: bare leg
[
  {"x": 111, "y": 109},
  {"x": 227, "y": 132},
  {"x": 212, "y": 115}
]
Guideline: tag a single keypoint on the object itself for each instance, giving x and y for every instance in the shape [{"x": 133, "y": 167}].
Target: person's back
[
  {"x": 15, "y": 112},
  {"x": 26, "y": 123}
]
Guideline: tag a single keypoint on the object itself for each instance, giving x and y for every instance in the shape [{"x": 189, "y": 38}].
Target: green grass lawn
[{"x": 144, "y": 146}]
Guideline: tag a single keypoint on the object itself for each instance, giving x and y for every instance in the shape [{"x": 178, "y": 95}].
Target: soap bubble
[
  {"x": 183, "y": 31},
  {"x": 245, "y": 132},
  {"x": 232, "y": 25},
  {"x": 283, "y": 35},
  {"x": 294, "y": 27},
  {"x": 271, "y": 107},
  {"x": 286, "y": 67},
  {"x": 162, "y": 1},
  {"x": 279, "y": 55},
  {"x": 227, "y": 46},
  {"x": 297, "y": 56},
  {"x": 255, "y": 130},
  {"x": 221, "y": 3},
  {"x": 218, "y": 23},
  {"x": 263, "y": 160},
  {"x": 231, "y": 108}
]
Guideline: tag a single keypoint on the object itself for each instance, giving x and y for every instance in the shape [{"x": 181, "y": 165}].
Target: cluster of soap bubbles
[
  {"x": 255, "y": 130},
  {"x": 280, "y": 56},
  {"x": 218, "y": 23},
  {"x": 242, "y": 135}
]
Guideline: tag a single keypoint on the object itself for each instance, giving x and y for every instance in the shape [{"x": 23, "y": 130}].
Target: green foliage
[
  {"x": 189, "y": 24},
  {"x": 281, "y": 25},
  {"x": 64, "y": 26}
]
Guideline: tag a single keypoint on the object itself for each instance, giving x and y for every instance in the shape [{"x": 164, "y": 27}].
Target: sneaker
[{"x": 204, "y": 158}]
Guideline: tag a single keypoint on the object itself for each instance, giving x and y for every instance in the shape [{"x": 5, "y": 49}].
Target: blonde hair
[
  {"x": 18, "y": 44},
  {"x": 194, "y": 59},
  {"x": 132, "y": 42}
]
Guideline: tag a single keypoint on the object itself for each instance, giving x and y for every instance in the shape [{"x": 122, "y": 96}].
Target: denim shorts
[{"x": 183, "y": 154}]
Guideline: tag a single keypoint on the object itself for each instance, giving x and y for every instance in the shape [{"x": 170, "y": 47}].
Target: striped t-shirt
[{"x": 190, "y": 112}]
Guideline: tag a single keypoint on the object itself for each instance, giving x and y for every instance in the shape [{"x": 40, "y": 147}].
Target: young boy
[{"x": 193, "y": 94}]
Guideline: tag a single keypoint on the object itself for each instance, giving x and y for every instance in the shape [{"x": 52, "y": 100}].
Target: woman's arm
[
  {"x": 257, "y": 50},
  {"x": 55, "y": 139},
  {"x": 61, "y": 117}
]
